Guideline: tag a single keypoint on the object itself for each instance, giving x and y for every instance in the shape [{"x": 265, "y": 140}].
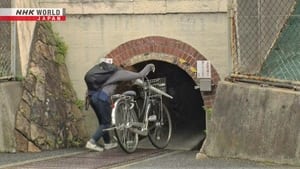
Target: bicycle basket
[{"x": 159, "y": 83}]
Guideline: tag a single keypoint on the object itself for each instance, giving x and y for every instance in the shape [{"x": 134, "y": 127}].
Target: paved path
[
  {"x": 186, "y": 160},
  {"x": 81, "y": 159},
  {"x": 12, "y": 159},
  {"x": 117, "y": 159}
]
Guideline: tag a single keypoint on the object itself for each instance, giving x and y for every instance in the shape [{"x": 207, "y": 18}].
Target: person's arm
[{"x": 125, "y": 75}]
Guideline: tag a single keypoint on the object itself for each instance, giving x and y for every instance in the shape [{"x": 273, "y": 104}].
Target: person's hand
[
  {"x": 152, "y": 67},
  {"x": 147, "y": 69}
]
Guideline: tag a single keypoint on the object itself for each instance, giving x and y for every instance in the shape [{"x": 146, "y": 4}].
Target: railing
[
  {"x": 7, "y": 46},
  {"x": 265, "y": 39}
]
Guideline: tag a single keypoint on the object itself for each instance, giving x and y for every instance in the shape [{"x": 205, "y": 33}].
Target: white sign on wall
[
  {"x": 203, "y": 69},
  {"x": 107, "y": 60}
]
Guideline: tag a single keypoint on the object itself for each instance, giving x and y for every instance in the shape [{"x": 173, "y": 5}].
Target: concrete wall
[
  {"x": 24, "y": 34},
  {"x": 91, "y": 37},
  {"x": 95, "y": 27},
  {"x": 10, "y": 92},
  {"x": 253, "y": 122},
  {"x": 10, "y": 96},
  {"x": 136, "y": 6}
]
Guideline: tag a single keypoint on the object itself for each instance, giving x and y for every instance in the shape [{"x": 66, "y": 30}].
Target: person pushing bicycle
[{"x": 100, "y": 102}]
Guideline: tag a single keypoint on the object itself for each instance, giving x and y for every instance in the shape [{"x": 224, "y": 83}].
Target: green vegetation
[
  {"x": 48, "y": 25},
  {"x": 19, "y": 78},
  {"x": 61, "y": 49},
  {"x": 79, "y": 103},
  {"x": 57, "y": 40},
  {"x": 67, "y": 94},
  {"x": 209, "y": 112}
]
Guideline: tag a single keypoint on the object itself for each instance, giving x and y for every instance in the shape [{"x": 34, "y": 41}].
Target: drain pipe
[
  {"x": 13, "y": 44},
  {"x": 230, "y": 15}
]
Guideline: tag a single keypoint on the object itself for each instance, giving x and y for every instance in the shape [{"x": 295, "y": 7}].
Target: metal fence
[
  {"x": 6, "y": 59},
  {"x": 265, "y": 36}
]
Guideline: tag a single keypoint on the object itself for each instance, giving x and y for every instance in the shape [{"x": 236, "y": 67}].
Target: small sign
[
  {"x": 107, "y": 60},
  {"x": 203, "y": 69}
]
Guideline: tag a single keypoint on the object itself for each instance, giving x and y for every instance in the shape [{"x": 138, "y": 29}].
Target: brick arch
[{"x": 168, "y": 50}]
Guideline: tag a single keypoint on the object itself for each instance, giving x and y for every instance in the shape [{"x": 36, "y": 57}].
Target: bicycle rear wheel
[
  {"x": 127, "y": 140},
  {"x": 160, "y": 129}
]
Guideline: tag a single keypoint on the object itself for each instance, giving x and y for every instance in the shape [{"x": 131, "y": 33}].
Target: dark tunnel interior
[{"x": 186, "y": 108}]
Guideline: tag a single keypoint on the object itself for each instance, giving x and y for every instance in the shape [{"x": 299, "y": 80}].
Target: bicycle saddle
[{"x": 129, "y": 93}]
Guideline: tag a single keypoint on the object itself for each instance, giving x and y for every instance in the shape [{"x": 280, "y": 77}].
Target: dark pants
[{"x": 103, "y": 113}]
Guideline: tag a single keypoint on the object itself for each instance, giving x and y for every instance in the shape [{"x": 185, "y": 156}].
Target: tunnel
[{"x": 186, "y": 108}]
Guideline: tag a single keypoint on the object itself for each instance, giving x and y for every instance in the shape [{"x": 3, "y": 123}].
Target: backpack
[{"x": 98, "y": 75}]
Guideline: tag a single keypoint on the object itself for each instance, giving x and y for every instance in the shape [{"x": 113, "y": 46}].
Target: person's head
[
  {"x": 125, "y": 85},
  {"x": 130, "y": 68}
]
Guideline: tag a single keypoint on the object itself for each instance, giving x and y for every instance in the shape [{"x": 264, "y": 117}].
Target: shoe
[
  {"x": 92, "y": 146},
  {"x": 110, "y": 146}
]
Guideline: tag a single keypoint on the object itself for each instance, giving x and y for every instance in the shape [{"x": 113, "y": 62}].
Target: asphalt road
[
  {"x": 117, "y": 159},
  {"x": 186, "y": 160}
]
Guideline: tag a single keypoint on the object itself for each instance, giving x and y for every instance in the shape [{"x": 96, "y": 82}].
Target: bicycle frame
[
  {"x": 144, "y": 111},
  {"x": 128, "y": 126},
  {"x": 147, "y": 99}
]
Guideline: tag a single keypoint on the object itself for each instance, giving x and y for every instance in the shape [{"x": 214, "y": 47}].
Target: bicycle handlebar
[{"x": 154, "y": 89}]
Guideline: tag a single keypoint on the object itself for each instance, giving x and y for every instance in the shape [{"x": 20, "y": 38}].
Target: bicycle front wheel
[
  {"x": 160, "y": 127},
  {"x": 124, "y": 116}
]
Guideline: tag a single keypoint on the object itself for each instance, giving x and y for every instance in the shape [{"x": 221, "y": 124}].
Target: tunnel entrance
[{"x": 186, "y": 109}]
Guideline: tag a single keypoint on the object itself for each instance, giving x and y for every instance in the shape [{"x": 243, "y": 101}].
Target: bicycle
[{"x": 155, "y": 122}]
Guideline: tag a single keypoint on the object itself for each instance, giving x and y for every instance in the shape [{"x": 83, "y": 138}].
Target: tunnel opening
[{"x": 186, "y": 108}]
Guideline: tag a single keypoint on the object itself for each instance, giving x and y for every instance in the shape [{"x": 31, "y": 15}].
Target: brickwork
[{"x": 164, "y": 49}]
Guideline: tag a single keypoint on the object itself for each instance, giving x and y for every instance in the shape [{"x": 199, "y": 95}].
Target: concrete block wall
[
  {"x": 256, "y": 123},
  {"x": 10, "y": 96}
]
